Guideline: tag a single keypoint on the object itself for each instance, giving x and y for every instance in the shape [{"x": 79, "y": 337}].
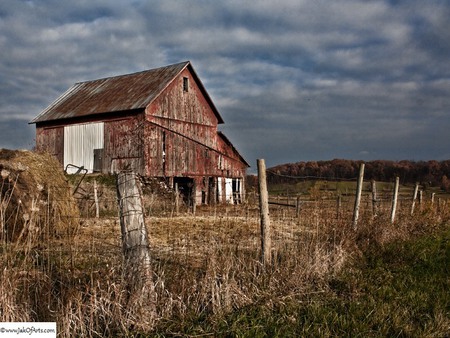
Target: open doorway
[
  {"x": 237, "y": 190},
  {"x": 186, "y": 189}
]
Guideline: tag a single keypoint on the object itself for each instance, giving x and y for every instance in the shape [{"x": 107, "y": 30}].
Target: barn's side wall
[
  {"x": 180, "y": 131},
  {"x": 123, "y": 140},
  {"x": 230, "y": 162},
  {"x": 181, "y": 140},
  {"x": 124, "y": 144},
  {"x": 181, "y": 135},
  {"x": 51, "y": 140}
]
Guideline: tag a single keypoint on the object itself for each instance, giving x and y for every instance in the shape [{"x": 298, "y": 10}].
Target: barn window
[{"x": 185, "y": 84}]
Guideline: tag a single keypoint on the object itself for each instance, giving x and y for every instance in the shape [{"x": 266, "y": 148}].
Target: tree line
[{"x": 428, "y": 173}]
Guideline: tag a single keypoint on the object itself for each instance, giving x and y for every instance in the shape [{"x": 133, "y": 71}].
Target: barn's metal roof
[{"x": 118, "y": 93}]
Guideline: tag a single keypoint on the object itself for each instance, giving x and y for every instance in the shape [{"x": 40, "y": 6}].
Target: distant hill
[{"x": 428, "y": 173}]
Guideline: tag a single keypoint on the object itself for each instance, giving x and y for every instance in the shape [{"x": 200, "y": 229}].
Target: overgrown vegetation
[
  {"x": 326, "y": 279},
  {"x": 399, "y": 290}
]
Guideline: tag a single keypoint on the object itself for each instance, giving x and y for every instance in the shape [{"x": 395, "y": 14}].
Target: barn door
[
  {"x": 80, "y": 143},
  {"x": 98, "y": 160}
]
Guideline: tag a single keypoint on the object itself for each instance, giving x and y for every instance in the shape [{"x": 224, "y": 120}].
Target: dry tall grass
[{"x": 203, "y": 265}]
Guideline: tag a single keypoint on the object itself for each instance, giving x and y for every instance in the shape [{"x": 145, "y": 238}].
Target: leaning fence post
[
  {"x": 416, "y": 189},
  {"x": 264, "y": 213},
  {"x": 394, "y": 199},
  {"x": 358, "y": 195},
  {"x": 135, "y": 242}
]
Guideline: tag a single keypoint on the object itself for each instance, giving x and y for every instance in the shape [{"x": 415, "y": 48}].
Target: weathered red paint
[
  {"x": 51, "y": 140},
  {"x": 172, "y": 133}
]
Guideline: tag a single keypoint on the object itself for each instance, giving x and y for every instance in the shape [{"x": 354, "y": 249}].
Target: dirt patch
[{"x": 35, "y": 198}]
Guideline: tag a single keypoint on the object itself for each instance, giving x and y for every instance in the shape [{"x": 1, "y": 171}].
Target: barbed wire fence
[
  {"x": 375, "y": 200},
  {"x": 71, "y": 252},
  {"x": 96, "y": 199}
]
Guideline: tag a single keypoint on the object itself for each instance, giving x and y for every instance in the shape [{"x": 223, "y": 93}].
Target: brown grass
[
  {"x": 205, "y": 265},
  {"x": 36, "y": 198}
]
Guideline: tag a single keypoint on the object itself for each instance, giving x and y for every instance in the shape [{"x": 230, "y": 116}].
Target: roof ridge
[{"x": 185, "y": 63}]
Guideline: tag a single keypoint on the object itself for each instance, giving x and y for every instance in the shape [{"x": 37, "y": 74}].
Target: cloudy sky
[{"x": 294, "y": 80}]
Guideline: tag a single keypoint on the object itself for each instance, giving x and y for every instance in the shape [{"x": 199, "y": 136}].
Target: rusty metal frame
[{"x": 80, "y": 169}]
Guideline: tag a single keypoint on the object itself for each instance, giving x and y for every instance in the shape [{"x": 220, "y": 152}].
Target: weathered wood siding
[
  {"x": 124, "y": 144},
  {"x": 230, "y": 163},
  {"x": 51, "y": 140},
  {"x": 181, "y": 135}
]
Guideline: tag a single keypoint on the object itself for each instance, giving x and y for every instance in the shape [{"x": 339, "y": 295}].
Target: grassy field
[
  {"x": 334, "y": 188},
  {"x": 326, "y": 278},
  {"x": 400, "y": 290}
]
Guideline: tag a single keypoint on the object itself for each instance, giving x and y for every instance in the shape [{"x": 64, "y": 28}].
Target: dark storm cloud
[{"x": 294, "y": 80}]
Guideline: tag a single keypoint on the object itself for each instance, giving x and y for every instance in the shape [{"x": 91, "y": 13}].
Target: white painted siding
[
  {"x": 219, "y": 188},
  {"x": 230, "y": 195},
  {"x": 229, "y": 190},
  {"x": 79, "y": 143}
]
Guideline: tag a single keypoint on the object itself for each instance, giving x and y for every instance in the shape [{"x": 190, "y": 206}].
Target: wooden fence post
[
  {"x": 97, "y": 207},
  {"x": 374, "y": 198},
  {"x": 194, "y": 198},
  {"x": 338, "y": 206},
  {"x": 177, "y": 200},
  {"x": 394, "y": 199},
  {"x": 358, "y": 195},
  {"x": 264, "y": 213},
  {"x": 416, "y": 190},
  {"x": 421, "y": 199},
  {"x": 134, "y": 240}
]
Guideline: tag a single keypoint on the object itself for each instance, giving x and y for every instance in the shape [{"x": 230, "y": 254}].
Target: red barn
[{"x": 160, "y": 123}]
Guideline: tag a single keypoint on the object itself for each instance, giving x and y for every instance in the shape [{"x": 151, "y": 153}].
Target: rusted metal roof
[{"x": 118, "y": 93}]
